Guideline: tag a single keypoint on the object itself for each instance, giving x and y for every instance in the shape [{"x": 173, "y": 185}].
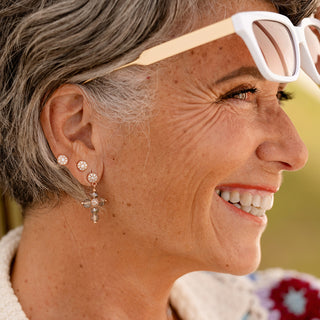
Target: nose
[{"x": 283, "y": 146}]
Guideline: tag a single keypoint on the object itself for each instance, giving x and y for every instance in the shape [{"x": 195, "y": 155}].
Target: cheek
[
  {"x": 202, "y": 141},
  {"x": 223, "y": 144},
  {"x": 191, "y": 155},
  {"x": 234, "y": 141}
]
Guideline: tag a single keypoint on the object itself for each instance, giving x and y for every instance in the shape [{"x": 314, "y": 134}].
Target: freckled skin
[
  {"x": 196, "y": 143},
  {"x": 163, "y": 217}
]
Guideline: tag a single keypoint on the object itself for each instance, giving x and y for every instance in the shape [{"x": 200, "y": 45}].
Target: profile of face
[{"x": 218, "y": 134}]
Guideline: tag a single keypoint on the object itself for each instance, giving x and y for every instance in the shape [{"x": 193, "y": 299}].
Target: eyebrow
[{"x": 251, "y": 71}]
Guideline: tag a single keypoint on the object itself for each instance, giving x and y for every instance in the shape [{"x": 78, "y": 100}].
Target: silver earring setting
[
  {"x": 62, "y": 160},
  {"x": 94, "y": 203},
  {"x": 82, "y": 165}
]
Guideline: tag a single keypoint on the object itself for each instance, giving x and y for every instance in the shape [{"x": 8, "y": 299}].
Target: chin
[
  {"x": 236, "y": 261},
  {"x": 245, "y": 263}
]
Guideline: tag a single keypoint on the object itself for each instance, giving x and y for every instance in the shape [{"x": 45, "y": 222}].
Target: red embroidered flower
[{"x": 296, "y": 300}]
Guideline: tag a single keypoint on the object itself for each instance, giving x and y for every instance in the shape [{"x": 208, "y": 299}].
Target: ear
[{"x": 69, "y": 124}]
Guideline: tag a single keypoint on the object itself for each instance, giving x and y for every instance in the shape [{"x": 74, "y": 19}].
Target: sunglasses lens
[
  {"x": 312, "y": 35},
  {"x": 276, "y": 44}
]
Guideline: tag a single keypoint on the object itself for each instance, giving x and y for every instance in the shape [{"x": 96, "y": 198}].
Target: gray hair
[
  {"x": 296, "y": 10},
  {"x": 46, "y": 43}
]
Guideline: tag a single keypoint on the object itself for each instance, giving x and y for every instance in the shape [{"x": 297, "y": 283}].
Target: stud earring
[
  {"x": 94, "y": 203},
  {"x": 62, "y": 160},
  {"x": 82, "y": 165}
]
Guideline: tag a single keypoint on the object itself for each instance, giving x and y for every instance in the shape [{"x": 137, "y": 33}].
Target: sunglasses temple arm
[
  {"x": 181, "y": 44},
  {"x": 184, "y": 43}
]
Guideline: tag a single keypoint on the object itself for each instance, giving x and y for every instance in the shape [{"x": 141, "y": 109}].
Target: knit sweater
[{"x": 275, "y": 294}]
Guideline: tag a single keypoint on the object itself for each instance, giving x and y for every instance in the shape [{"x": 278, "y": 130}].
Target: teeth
[
  {"x": 256, "y": 204},
  {"x": 246, "y": 199},
  {"x": 234, "y": 197},
  {"x": 257, "y": 212},
  {"x": 256, "y": 201},
  {"x": 225, "y": 195},
  {"x": 246, "y": 208},
  {"x": 267, "y": 202}
]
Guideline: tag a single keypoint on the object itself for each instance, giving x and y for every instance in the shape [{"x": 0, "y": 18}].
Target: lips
[{"x": 255, "y": 202}]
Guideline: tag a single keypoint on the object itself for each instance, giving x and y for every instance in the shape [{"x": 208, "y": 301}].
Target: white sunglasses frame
[
  {"x": 240, "y": 24},
  {"x": 307, "y": 63}
]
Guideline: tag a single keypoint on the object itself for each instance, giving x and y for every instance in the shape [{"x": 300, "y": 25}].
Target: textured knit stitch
[{"x": 10, "y": 308}]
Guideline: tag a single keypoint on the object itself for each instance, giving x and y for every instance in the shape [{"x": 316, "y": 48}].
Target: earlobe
[{"x": 68, "y": 123}]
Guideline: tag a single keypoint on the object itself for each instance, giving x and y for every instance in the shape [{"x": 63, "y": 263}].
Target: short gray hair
[{"x": 46, "y": 43}]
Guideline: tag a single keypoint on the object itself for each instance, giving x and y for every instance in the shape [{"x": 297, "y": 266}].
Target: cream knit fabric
[
  {"x": 212, "y": 296},
  {"x": 10, "y": 308},
  {"x": 196, "y": 296}
]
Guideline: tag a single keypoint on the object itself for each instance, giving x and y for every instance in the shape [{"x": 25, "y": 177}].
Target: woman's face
[{"x": 218, "y": 131}]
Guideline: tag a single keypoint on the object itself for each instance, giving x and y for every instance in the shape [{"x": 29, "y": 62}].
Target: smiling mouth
[{"x": 251, "y": 202}]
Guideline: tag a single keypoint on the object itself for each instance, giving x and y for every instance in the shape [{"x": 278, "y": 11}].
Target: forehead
[
  {"x": 214, "y": 60},
  {"x": 213, "y": 63}
]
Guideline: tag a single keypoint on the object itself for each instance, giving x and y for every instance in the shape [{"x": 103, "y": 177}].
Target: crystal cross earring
[{"x": 94, "y": 203}]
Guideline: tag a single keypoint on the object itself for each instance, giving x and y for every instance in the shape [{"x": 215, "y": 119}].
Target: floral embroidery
[{"x": 294, "y": 299}]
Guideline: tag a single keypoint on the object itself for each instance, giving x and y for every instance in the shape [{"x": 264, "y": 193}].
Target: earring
[
  {"x": 82, "y": 165},
  {"x": 62, "y": 160},
  {"x": 94, "y": 203}
]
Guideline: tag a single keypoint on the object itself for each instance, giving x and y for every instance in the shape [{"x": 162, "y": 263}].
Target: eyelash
[
  {"x": 284, "y": 95},
  {"x": 234, "y": 94},
  {"x": 281, "y": 95}
]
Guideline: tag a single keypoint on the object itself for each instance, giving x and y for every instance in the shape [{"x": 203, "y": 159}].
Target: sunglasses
[{"x": 278, "y": 47}]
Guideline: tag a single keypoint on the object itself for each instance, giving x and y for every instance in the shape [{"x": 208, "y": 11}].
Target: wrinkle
[
  {"x": 198, "y": 92},
  {"x": 195, "y": 200},
  {"x": 193, "y": 126},
  {"x": 74, "y": 238}
]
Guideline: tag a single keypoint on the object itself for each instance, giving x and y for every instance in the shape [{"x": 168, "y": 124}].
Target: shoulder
[{"x": 9, "y": 305}]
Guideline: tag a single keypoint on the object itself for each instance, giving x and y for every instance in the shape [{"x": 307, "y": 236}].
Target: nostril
[{"x": 286, "y": 166}]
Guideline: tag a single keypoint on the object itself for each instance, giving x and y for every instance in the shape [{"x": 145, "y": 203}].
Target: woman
[{"x": 132, "y": 176}]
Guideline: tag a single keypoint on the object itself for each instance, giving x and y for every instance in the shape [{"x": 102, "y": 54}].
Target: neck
[{"x": 64, "y": 272}]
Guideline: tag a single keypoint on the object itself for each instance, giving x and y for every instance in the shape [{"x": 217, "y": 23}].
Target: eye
[
  {"x": 243, "y": 94},
  {"x": 240, "y": 95},
  {"x": 284, "y": 96}
]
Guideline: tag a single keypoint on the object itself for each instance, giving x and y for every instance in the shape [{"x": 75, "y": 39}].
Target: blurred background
[{"x": 292, "y": 239}]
